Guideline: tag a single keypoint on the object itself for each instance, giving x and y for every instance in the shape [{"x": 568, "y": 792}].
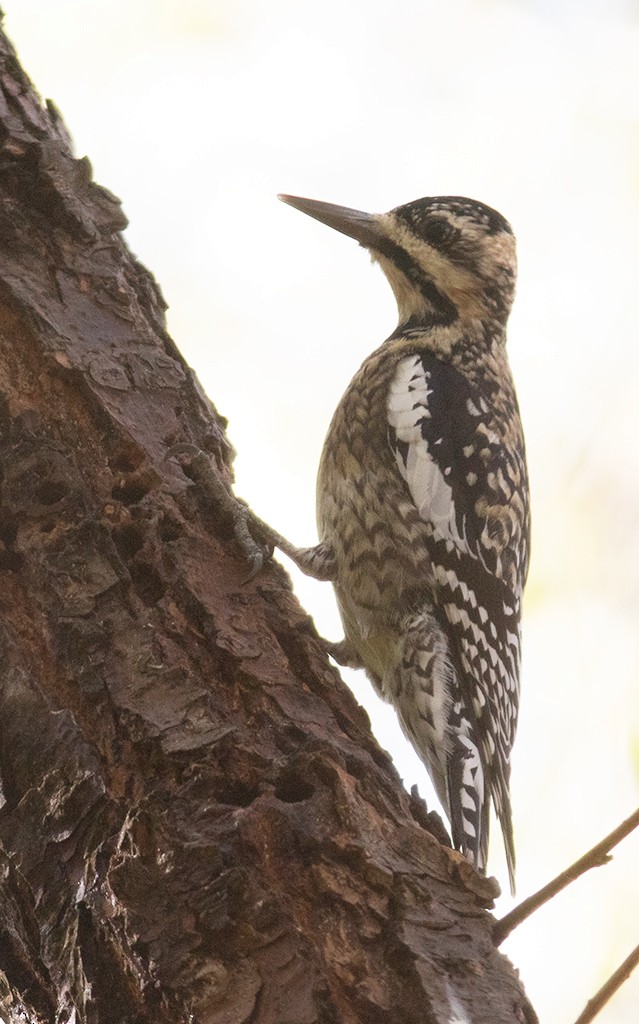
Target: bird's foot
[
  {"x": 255, "y": 538},
  {"x": 343, "y": 653}
]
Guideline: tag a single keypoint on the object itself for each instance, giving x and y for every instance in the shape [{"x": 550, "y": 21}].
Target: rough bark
[{"x": 196, "y": 822}]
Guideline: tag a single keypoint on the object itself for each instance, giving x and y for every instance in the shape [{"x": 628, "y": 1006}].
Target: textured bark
[{"x": 196, "y": 822}]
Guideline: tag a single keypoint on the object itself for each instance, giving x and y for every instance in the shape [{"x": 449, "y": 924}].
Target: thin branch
[
  {"x": 600, "y": 854},
  {"x": 607, "y": 991}
]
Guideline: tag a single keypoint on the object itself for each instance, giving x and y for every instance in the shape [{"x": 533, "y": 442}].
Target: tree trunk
[{"x": 196, "y": 822}]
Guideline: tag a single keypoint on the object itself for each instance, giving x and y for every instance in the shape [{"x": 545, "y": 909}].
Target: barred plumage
[{"x": 422, "y": 503}]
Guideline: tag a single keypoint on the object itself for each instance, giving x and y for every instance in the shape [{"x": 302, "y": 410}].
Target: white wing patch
[{"x": 407, "y": 408}]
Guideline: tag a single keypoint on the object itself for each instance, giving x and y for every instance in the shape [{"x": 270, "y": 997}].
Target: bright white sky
[{"x": 196, "y": 113}]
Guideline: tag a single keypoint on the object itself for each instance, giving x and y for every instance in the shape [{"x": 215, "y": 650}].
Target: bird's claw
[
  {"x": 245, "y": 523},
  {"x": 256, "y": 563},
  {"x": 255, "y": 553}
]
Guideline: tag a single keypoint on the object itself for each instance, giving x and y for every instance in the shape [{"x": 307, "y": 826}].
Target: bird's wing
[
  {"x": 462, "y": 477},
  {"x": 467, "y": 485}
]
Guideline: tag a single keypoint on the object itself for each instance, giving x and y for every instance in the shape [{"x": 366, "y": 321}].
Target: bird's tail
[
  {"x": 468, "y": 801},
  {"x": 501, "y": 799}
]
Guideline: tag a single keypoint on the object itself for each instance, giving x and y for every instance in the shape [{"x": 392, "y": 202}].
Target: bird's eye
[{"x": 439, "y": 231}]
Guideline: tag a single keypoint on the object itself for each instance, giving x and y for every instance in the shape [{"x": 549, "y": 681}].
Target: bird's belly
[
  {"x": 377, "y": 535},
  {"x": 376, "y": 641}
]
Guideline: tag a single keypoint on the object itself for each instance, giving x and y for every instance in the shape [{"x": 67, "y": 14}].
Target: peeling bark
[{"x": 196, "y": 822}]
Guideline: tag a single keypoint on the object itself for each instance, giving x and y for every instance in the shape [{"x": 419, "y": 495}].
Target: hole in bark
[
  {"x": 170, "y": 529},
  {"x": 123, "y": 463},
  {"x": 292, "y": 789},
  {"x": 128, "y": 540},
  {"x": 238, "y": 794},
  {"x": 146, "y": 582},
  {"x": 51, "y": 492},
  {"x": 129, "y": 492},
  {"x": 291, "y": 739}
]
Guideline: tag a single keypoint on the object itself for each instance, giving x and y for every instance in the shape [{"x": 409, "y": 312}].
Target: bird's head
[{"x": 447, "y": 258}]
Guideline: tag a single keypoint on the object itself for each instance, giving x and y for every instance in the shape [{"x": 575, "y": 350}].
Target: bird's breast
[{"x": 364, "y": 509}]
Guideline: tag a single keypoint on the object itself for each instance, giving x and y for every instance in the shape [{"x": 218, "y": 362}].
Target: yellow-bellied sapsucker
[{"x": 422, "y": 503}]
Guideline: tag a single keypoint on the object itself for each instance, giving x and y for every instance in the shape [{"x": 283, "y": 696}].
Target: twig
[
  {"x": 607, "y": 991},
  {"x": 600, "y": 854}
]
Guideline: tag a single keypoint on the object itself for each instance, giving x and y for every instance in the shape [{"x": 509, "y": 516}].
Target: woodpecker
[{"x": 423, "y": 505}]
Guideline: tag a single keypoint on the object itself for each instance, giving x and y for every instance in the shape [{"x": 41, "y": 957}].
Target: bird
[{"x": 423, "y": 508}]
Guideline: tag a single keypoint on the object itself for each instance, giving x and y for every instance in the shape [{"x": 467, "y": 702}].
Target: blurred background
[{"x": 196, "y": 113}]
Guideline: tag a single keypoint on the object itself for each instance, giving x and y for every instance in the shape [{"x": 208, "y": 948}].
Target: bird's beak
[{"x": 364, "y": 227}]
